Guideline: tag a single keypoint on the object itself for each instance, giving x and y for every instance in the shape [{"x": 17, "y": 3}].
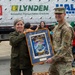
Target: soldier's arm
[
  {"x": 15, "y": 39},
  {"x": 65, "y": 45}
]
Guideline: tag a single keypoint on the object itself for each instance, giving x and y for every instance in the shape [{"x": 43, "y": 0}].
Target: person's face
[
  {"x": 42, "y": 25},
  {"x": 19, "y": 26},
  {"x": 60, "y": 16}
]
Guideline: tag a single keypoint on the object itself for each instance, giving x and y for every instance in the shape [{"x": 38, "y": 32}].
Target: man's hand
[{"x": 49, "y": 60}]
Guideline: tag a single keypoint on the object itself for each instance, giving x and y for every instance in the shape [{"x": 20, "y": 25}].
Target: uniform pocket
[{"x": 14, "y": 60}]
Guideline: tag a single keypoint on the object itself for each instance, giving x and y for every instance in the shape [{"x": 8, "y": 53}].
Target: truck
[{"x": 32, "y": 11}]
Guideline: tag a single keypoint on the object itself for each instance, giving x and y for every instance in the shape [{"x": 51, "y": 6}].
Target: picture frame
[{"x": 39, "y": 45}]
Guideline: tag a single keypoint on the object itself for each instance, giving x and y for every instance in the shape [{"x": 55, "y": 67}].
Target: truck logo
[
  {"x": 70, "y": 9},
  {"x": 0, "y": 10},
  {"x": 29, "y": 8},
  {"x": 14, "y": 8}
]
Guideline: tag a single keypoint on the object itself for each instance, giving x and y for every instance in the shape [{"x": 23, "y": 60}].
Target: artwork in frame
[{"x": 39, "y": 45}]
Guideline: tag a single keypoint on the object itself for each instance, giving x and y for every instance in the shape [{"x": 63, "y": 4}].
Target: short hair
[
  {"x": 27, "y": 25},
  {"x": 17, "y": 20}
]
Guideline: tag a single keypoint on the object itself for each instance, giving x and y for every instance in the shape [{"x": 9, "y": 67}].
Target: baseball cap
[{"x": 59, "y": 10}]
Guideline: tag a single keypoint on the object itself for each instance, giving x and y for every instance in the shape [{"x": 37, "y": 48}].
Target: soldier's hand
[{"x": 49, "y": 60}]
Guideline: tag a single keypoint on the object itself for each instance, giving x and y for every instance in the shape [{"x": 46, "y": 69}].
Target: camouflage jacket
[
  {"x": 19, "y": 51},
  {"x": 62, "y": 43}
]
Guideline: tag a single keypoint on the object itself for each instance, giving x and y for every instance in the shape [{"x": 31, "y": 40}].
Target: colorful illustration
[{"x": 39, "y": 45}]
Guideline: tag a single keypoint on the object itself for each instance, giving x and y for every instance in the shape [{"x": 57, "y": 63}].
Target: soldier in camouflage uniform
[
  {"x": 20, "y": 60},
  {"x": 62, "y": 39}
]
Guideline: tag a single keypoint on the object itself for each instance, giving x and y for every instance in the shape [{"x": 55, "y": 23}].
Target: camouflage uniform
[
  {"x": 62, "y": 39},
  {"x": 20, "y": 59}
]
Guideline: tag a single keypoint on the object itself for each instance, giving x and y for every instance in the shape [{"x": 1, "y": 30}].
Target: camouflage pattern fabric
[
  {"x": 63, "y": 50},
  {"x": 60, "y": 69}
]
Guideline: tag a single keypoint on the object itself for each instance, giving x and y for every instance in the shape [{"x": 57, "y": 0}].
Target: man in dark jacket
[{"x": 20, "y": 60}]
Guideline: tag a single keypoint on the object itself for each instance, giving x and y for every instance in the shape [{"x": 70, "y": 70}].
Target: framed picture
[{"x": 39, "y": 45}]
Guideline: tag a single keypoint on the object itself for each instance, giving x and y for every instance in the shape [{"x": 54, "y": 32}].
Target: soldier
[
  {"x": 62, "y": 39},
  {"x": 20, "y": 60}
]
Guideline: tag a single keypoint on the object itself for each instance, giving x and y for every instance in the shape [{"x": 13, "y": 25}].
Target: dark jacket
[{"x": 19, "y": 51}]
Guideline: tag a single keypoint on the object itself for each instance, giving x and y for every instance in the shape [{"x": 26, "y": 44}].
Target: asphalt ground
[{"x": 5, "y": 49}]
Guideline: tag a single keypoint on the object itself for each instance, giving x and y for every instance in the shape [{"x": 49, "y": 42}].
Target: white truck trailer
[{"x": 32, "y": 11}]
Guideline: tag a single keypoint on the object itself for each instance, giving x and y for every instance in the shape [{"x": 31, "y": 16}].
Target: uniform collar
[
  {"x": 17, "y": 33},
  {"x": 60, "y": 26}
]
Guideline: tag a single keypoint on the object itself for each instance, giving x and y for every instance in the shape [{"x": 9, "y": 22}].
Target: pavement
[{"x": 5, "y": 50}]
